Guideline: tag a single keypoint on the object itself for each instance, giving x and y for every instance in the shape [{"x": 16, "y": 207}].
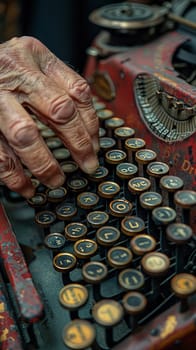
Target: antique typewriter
[{"x": 108, "y": 260}]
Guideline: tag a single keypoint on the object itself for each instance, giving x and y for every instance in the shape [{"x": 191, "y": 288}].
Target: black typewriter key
[
  {"x": 186, "y": 200},
  {"x": 122, "y": 133},
  {"x": 106, "y": 143},
  {"x": 132, "y": 145},
  {"x": 126, "y": 171},
  {"x": 108, "y": 313},
  {"x": 72, "y": 297},
  {"x": 163, "y": 216},
  {"x": 47, "y": 132},
  {"x": 108, "y": 189},
  {"x": 170, "y": 184},
  {"x": 156, "y": 170},
  {"x": 115, "y": 156},
  {"x": 69, "y": 167},
  {"x": 85, "y": 248},
  {"x": 144, "y": 157},
  {"x": 95, "y": 272},
  {"x": 61, "y": 153},
  {"x": 45, "y": 219},
  {"x": 119, "y": 257},
  {"x": 75, "y": 231},
  {"x": 66, "y": 211},
  {"x": 37, "y": 201},
  {"x": 107, "y": 236},
  {"x": 87, "y": 200},
  {"x": 64, "y": 262},
  {"x": 56, "y": 195},
  {"x": 100, "y": 174},
  {"x": 179, "y": 234},
  {"x": 183, "y": 285},
  {"x": 79, "y": 335},
  {"x": 102, "y": 132},
  {"x": 55, "y": 241},
  {"x": 120, "y": 207},
  {"x": 113, "y": 123},
  {"x": 131, "y": 279},
  {"x": 77, "y": 183},
  {"x": 138, "y": 185},
  {"x": 132, "y": 225},
  {"x": 54, "y": 142},
  {"x": 150, "y": 200},
  {"x": 134, "y": 304},
  {"x": 97, "y": 218},
  {"x": 142, "y": 244}
]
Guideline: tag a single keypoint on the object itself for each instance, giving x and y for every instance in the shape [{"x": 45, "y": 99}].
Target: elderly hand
[{"x": 32, "y": 78}]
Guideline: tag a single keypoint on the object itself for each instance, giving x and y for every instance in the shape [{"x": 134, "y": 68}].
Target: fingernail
[
  {"x": 90, "y": 165},
  {"x": 56, "y": 181}
]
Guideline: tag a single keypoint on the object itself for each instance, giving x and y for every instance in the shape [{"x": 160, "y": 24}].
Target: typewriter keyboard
[{"x": 116, "y": 246}]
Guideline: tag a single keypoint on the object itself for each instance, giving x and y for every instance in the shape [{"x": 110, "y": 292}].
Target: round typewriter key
[
  {"x": 126, "y": 170},
  {"x": 79, "y": 334},
  {"x": 75, "y": 231},
  {"x": 77, "y": 184},
  {"x": 98, "y": 105},
  {"x": 55, "y": 241},
  {"x": 73, "y": 296},
  {"x": 124, "y": 132},
  {"x": 45, "y": 218},
  {"x": 115, "y": 156},
  {"x": 94, "y": 272},
  {"x": 97, "y": 218},
  {"x": 104, "y": 114},
  {"x": 163, "y": 215},
  {"x": 107, "y": 235},
  {"x": 150, "y": 200},
  {"x": 38, "y": 200},
  {"x": 133, "y": 145},
  {"x": 113, "y": 123},
  {"x": 179, "y": 233},
  {"x": 85, "y": 248},
  {"x": 108, "y": 189},
  {"x": 39, "y": 124},
  {"x": 171, "y": 183},
  {"x": 66, "y": 211},
  {"x": 134, "y": 303},
  {"x": 102, "y": 132},
  {"x": 157, "y": 169},
  {"x": 142, "y": 244},
  {"x": 47, "y": 132},
  {"x": 35, "y": 182},
  {"x": 106, "y": 143},
  {"x": 100, "y": 174},
  {"x": 61, "y": 153},
  {"x": 56, "y": 195},
  {"x": 131, "y": 279},
  {"x": 87, "y": 200},
  {"x": 132, "y": 225},
  {"x": 144, "y": 156},
  {"x": 155, "y": 264},
  {"x": 138, "y": 185},
  {"x": 185, "y": 198},
  {"x": 120, "y": 207},
  {"x": 107, "y": 312},
  {"x": 119, "y": 257},
  {"x": 64, "y": 262},
  {"x": 69, "y": 166},
  {"x": 183, "y": 285},
  {"x": 54, "y": 142}
]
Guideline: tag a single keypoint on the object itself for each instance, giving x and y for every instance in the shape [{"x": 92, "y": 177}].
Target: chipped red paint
[{"x": 28, "y": 300}]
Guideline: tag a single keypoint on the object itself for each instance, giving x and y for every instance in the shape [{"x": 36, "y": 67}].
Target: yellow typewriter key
[
  {"x": 119, "y": 257},
  {"x": 79, "y": 335},
  {"x": 183, "y": 285},
  {"x": 66, "y": 211},
  {"x": 107, "y": 235},
  {"x": 97, "y": 218},
  {"x": 54, "y": 142},
  {"x": 155, "y": 264},
  {"x": 85, "y": 248},
  {"x": 108, "y": 189},
  {"x": 75, "y": 231},
  {"x": 69, "y": 167},
  {"x": 132, "y": 225},
  {"x": 87, "y": 200},
  {"x": 120, "y": 207},
  {"x": 72, "y": 297},
  {"x": 131, "y": 279},
  {"x": 142, "y": 244},
  {"x": 56, "y": 195}
]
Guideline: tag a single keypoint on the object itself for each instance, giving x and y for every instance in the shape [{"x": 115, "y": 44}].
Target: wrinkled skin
[{"x": 34, "y": 79}]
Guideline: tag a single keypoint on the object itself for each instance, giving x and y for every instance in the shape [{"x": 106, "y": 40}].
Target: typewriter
[{"x": 108, "y": 261}]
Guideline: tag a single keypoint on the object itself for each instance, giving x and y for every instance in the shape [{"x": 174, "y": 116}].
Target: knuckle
[
  {"x": 23, "y": 134},
  {"x": 7, "y": 165},
  {"x": 81, "y": 90},
  {"x": 62, "y": 111}
]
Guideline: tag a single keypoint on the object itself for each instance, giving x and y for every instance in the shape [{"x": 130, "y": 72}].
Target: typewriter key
[
  {"x": 134, "y": 303},
  {"x": 94, "y": 272},
  {"x": 69, "y": 167},
  {"x": 186, "y": 200},
  {"x": 61, "y": 153},
  {"x": 138, "y": 185},
  {"x": 150, "y": 200},
  {"x": 98, "y": 106},
  {"x": 100, "y": 174},
  {"x": 108, "y": 189},
  {"x": 163, "y": 215},
  {"x": 47, "y": 132},
  {"x": 38, "y": 200},
  {"x": 131, "y": 279},
  {"x": 115, "y": 156},
  {"x": 120, "y": 207},
  {"x": 55, "y": 241},
  {"x": 104, "y": 114},
  {"x": 156, "y": 170},
  {"x": 64, "y": 262},
  {"x": 79, "y": 334},
  {"x": 144, "y": 157},
  {"x": 77, "y": 183},
  {"x": 122, "y": 133},
  {"x": 54, "y": 142},
  {"x": 113, "y": 123},
  {"x": 102, "y": 132},
  {"x": 56, "y": 195},
  {"x": 87, "y": 200},
  {"x": 66, "y": 211},
  {"x": 183, "y": 285},
  {"x": 170, "y": 184},
  {"x": 107, "y": 235},
  {"x": 41, "y": 126},
  {"x": 85, "y": 248},
  {"x": 132, "y": 225},
  {"x": 72, "y": 297},
  {"x": 126, "y": 170},
  {"x": 97, "y": 218},
  {"x": 133, "y": 145},
  {"x": 155, "y": 264},
  {"x": 106, "y": 143},
  {"x": 75, "y": 231},
  {"x": 45, "y": 218},
  {"x": 142, "y": 244},
  {"x": 119, "y": 257}
]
